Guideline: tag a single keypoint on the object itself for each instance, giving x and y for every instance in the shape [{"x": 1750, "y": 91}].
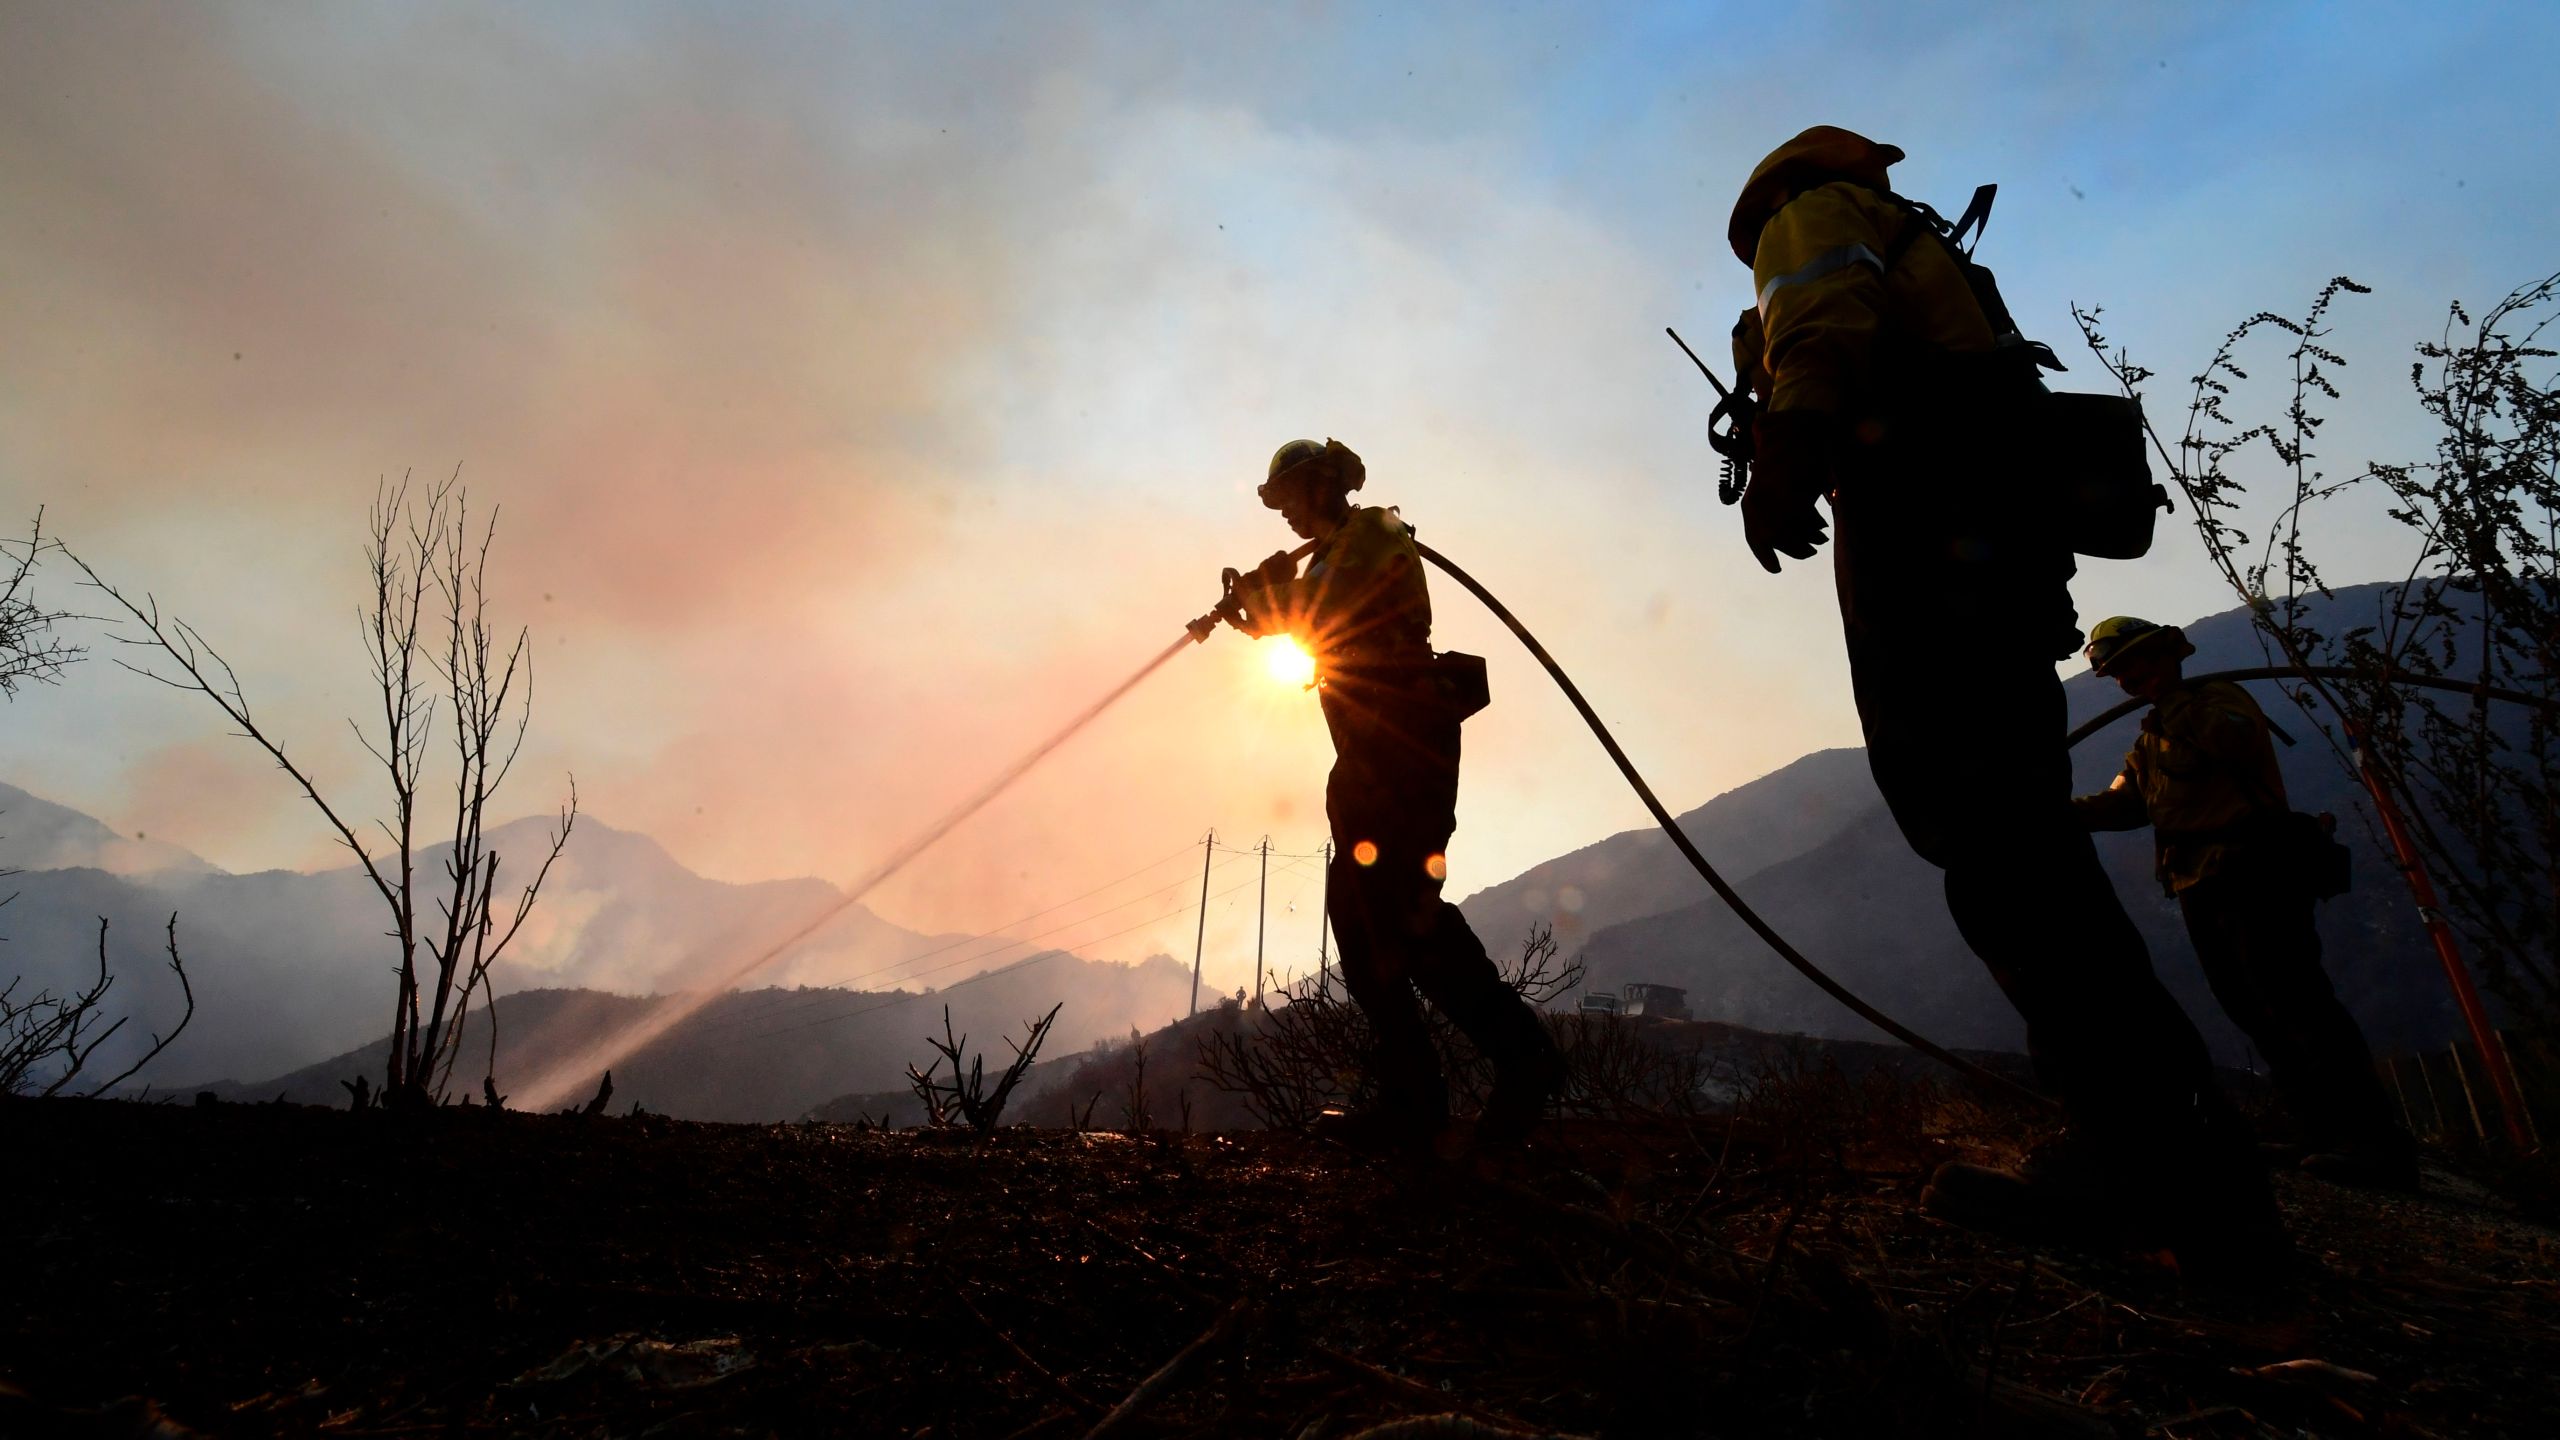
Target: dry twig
[{"x": 1155, "y": 1386}]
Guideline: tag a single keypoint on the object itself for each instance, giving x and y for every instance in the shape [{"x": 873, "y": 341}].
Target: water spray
[{"x": 572, "y": 1074}]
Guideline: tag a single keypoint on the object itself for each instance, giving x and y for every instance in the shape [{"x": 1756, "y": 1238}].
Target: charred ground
[{"x": 279, "y": 1269}]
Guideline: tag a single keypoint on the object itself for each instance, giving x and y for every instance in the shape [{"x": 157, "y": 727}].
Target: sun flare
[{"x": 1289, "y": 662}]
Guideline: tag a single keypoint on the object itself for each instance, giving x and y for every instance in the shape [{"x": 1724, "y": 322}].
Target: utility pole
[
  {"x": 1324, "y": 919},
  {"x": 1261, "y": 917},
  {"x": 1202, "y": 933}
]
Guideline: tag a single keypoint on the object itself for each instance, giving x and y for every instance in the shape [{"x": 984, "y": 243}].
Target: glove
[
  {"x": 1279, "y": 570},
  {"x": 1790, "y": 468}
]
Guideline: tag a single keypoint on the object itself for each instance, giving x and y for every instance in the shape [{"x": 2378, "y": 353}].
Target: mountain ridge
[
  {"x": 290, "y": 967},
  {"x": 1885, "y": 931}
]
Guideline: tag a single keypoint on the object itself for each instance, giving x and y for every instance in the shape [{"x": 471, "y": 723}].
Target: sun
[{"x": 1289, "y": 662}]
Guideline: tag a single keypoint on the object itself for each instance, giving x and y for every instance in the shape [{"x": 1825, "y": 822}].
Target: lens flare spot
[
  {"x": 1437, "y": 867},
  {"x": 1289, "y": 662},
  {"x": 1365, "y": 853}
]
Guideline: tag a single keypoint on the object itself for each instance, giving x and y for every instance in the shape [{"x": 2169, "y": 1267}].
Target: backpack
[
  {"x": 1919, "y": 220},
  {"x": 2092, "y": 449}
]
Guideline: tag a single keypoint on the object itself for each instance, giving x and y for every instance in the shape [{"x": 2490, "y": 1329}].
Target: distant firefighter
[
  {"x": 1893, "y": 385},
  {"x": 1393, "y": 708},
  {"x": 2245, "y": 870}
]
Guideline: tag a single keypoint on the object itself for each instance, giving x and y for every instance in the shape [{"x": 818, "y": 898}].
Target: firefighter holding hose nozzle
[{"x": 1393, "y": 708}]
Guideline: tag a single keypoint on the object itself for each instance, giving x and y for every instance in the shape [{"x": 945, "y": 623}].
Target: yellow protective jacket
[
  {"x": 1820, "y": 239},
  {"x": 1362, "y": 598},
  {"x": 2203, "y": 775}
]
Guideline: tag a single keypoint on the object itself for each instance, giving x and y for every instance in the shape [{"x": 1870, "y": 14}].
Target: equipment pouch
[
  {"x": 2093, "y": 450},
  {"x": 1460, "y": 682}
]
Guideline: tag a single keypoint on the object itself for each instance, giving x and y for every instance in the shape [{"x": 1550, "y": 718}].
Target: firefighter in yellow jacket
[
  {"x": 2203, "y": 775},
  {"x": 1393, "y": 708},
  {"x": 1890, "y": 391}
]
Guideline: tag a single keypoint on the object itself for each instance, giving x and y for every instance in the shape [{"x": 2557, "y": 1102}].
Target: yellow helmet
[
  {"x": 1301, "y": 453},
  {"x": 1824, "y": 151},
  {"x": 2111, "y": 639}
]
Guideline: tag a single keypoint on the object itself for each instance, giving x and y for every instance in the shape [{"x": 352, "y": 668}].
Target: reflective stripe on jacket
[
  {"x": 2203, "y": 775},
  {"x": 1825, "y": 297}
]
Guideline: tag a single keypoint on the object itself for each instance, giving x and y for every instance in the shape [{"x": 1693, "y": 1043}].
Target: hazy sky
[{"x": 866, "y": 388}]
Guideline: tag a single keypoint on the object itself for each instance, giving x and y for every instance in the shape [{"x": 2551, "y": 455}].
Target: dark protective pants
[
  {"x": 1955, "y": 613},
  {"x": 2254, "y": 934},
  {"x": 1392, "y": 801}
]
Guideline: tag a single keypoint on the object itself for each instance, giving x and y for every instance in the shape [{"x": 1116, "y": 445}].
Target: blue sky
[{"x": 863, "y": 385}]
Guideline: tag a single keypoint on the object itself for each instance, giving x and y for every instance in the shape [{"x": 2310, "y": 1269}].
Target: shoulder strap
[
  {"x": 1976, "y": 218},
  {"x": 1918, "y": 219},
  {"x": 1918, "y": 215}
]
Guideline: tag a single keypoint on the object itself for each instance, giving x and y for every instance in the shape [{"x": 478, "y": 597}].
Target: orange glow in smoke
[
  {"x": 1366, "y": 852},
  {"x": 1437, "y": 867}
]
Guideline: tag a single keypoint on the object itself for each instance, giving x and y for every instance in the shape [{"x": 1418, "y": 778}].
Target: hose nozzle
[{"x": 1201, "y": 629}]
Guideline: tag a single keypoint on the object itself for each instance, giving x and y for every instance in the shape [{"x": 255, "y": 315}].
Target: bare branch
[
  {"x": 158, "y": 1042},
  {"x": 180, "y": 642},
  {"x": 420, "y": 545},
  {"x": 30, "y": 651}
]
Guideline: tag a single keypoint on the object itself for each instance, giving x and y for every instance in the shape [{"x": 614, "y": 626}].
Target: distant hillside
[
  {"x": 775, "y": 1054},
  {"x": 1097, "y": 1082},
  {"x": 36, "y": 834},
  {"x": 1636, "y": 873},
  {"x": 291, "y": 967},
  {"x": 1104, "y": 1086},
  {"x": 1860, "y": 904}
]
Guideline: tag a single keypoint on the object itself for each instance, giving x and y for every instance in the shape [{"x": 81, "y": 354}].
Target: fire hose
[
  {"x": 1760, "y": 926},
  {"x": 1226, "y": 609},
  {"x": 2103, "y": 719},
  {"x": 570, "y": 1070},
  {"x": 1662, "y": 816}
]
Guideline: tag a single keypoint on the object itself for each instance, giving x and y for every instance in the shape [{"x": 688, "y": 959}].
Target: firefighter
[
  {"x": 1393, "y": 708},
  {"x": 1887, "y": 392},
  {"x": 2203, "y": 776}
]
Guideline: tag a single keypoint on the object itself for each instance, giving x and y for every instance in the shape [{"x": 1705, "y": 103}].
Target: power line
[{"x": 1276, "y": 854}]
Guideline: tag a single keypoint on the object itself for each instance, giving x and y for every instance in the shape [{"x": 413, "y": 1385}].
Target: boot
[
  {"x": 2223, "y": 1223},
  {"x": 2371, "y": 1166},
  {"x": 2066, "y": 1192},
  {"x": 2279, "y": 1154},
  {"x": 1382, "y": 1130},
  {"x": 1521, "y": 1090},
  {"x": 2212, "y": 1210}
]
